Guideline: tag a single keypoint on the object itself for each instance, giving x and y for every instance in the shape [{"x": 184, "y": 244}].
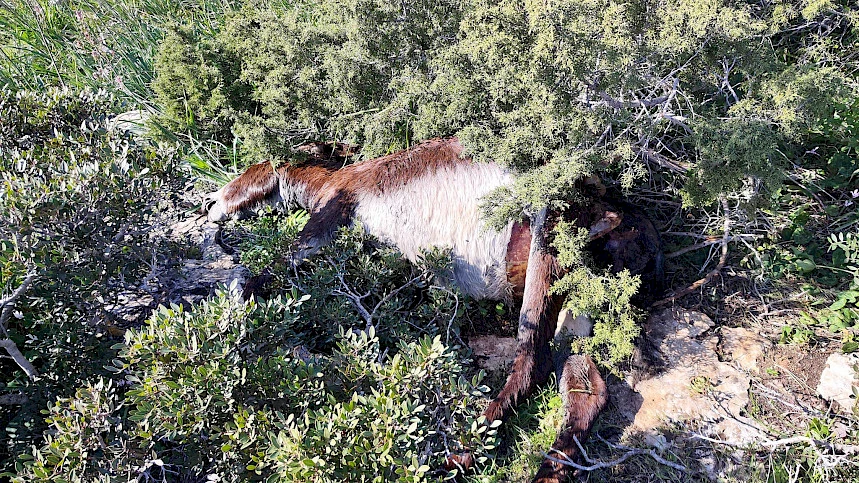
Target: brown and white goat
[{"x": 429, "y": 195}]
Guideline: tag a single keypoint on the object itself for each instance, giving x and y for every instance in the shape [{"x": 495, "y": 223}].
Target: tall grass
[{"x": 99, "y": 44}]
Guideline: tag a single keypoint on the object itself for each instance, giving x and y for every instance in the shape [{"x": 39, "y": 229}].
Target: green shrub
[
  {"x": 215, "y": 391},
  {"x": 563, "y": 84},
  {"x": 355, "y": 277},
  {"x": 77, "y": 201}
]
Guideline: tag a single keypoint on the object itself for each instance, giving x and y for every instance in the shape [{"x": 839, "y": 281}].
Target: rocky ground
[{"x": 729, "y": 386}]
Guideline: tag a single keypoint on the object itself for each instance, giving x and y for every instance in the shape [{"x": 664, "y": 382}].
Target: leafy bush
[
  {"x": 356, "y": 282},
  {"x": 214, "y": 391},
  {"x": 623, "y": 86},
  {"x": 604, "y": 297},
  {"x": 77, "y": 201}
]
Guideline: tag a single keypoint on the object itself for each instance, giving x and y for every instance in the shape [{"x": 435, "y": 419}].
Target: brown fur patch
[
  {"x": 250, "y": 189},
  {"x": 396, "y": 170},
  {"x": 518, "y": 249}
]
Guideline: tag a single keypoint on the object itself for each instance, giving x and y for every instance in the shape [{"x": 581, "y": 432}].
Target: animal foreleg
[
  {"x": 584, "y": 394},
  {"x": 317, "y": 233}
]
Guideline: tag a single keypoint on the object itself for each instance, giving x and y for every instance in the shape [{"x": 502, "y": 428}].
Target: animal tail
[{"x": 257, "y": 186}]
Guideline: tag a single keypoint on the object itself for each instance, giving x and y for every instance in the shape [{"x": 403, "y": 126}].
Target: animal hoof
[
  {"x": 257, "y": 287},
  {"x": 459, "y": 461}
]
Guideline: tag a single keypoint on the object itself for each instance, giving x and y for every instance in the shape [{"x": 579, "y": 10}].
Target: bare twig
[
  {"x": 455, "y": 310},
  {"x": 390, "y": 294},
  {"x": 19, "y": 358},
  {"x": 357, "y": 300},
  {"x": 353, "y": 297},
  {"x": 772, "y": 445},
  {"x": 564, "y": 459},
  {"x": 713, "y": 273},
  {"x": 8, "y": 303},
  {"x": 707, "y": 243}
]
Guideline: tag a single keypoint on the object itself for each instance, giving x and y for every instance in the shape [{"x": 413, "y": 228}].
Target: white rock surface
[
  {"x": 743, "y": 346},
  {"x": 580, "y": 326},
  {"x": 215, "y": 267},
  {"x": 839, "y": 379},
  {"x": 695, "y": 389}
]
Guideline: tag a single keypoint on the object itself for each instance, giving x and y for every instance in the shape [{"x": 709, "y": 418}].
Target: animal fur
[{"x": 429, "y": 195}]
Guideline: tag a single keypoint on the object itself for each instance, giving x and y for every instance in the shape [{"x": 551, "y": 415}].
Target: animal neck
[{"x": 304, "y": 185}]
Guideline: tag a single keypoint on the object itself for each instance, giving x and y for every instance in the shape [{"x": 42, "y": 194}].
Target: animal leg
[
  {"x": 537, "y": 320},
  {"x": 317, "y": 233},
  {"x": 584, "y": 394}
]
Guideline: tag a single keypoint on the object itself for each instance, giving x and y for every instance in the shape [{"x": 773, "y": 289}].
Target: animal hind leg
[
  {"x": 584, "y": 395},
  {"x": 537, "y": 320}
]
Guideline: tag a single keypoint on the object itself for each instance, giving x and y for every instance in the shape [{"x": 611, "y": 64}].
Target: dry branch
[
  {"x": 707, "y": 243},
  {"x": 13, "y": 399},
  {"x": 662, "y": 161},
  {"x": 8, "y": 305},
  {"x": 19, "y": 358},
  {"x": 597, "y": 465},
  {"x": 713, "y": 273},
  {"x": 773, "y": 444}
]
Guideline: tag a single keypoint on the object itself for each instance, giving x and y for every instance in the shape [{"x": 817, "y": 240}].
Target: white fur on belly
[{"x": 442, "y": 209}]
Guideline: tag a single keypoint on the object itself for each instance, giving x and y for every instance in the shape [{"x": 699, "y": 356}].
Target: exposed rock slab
[
  {"x": 839, "y": 380},
  {"x": 579, "y": 326},
  {"x": 696, "y": 389},
  {"x": 493, "y": 353},
  {"x": 743, "y": 346},
  {"x": 215, "y": 267}
]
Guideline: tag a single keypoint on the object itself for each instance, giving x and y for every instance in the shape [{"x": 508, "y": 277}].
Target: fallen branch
[
  {"x": 19, "y": 358},
  {"x": 621, "y": 104},
  {"x": 713, "y": 273},
  {"x": 597, "y": 465},
  {"x": 707, "y": 243},
  {"x": 662, "y": 161},
  {"x": 772, "y": 445}
]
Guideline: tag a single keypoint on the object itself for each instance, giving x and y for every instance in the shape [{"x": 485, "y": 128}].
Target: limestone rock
[
  {"x": 214, "y": 267},
  {"x": 695, "y": 389},
  {"x": 581, "y": 326},
  {"x": 493, "y": 353},
  {"x": 839, "y": 379},
  {"x": 743, "y": 346}
]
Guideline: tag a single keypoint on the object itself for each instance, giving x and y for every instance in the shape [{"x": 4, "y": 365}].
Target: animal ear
[{"x": 608, "y": 222}]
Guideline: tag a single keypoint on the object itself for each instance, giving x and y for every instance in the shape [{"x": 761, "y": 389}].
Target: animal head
[{"x": 290, "y": 185}]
